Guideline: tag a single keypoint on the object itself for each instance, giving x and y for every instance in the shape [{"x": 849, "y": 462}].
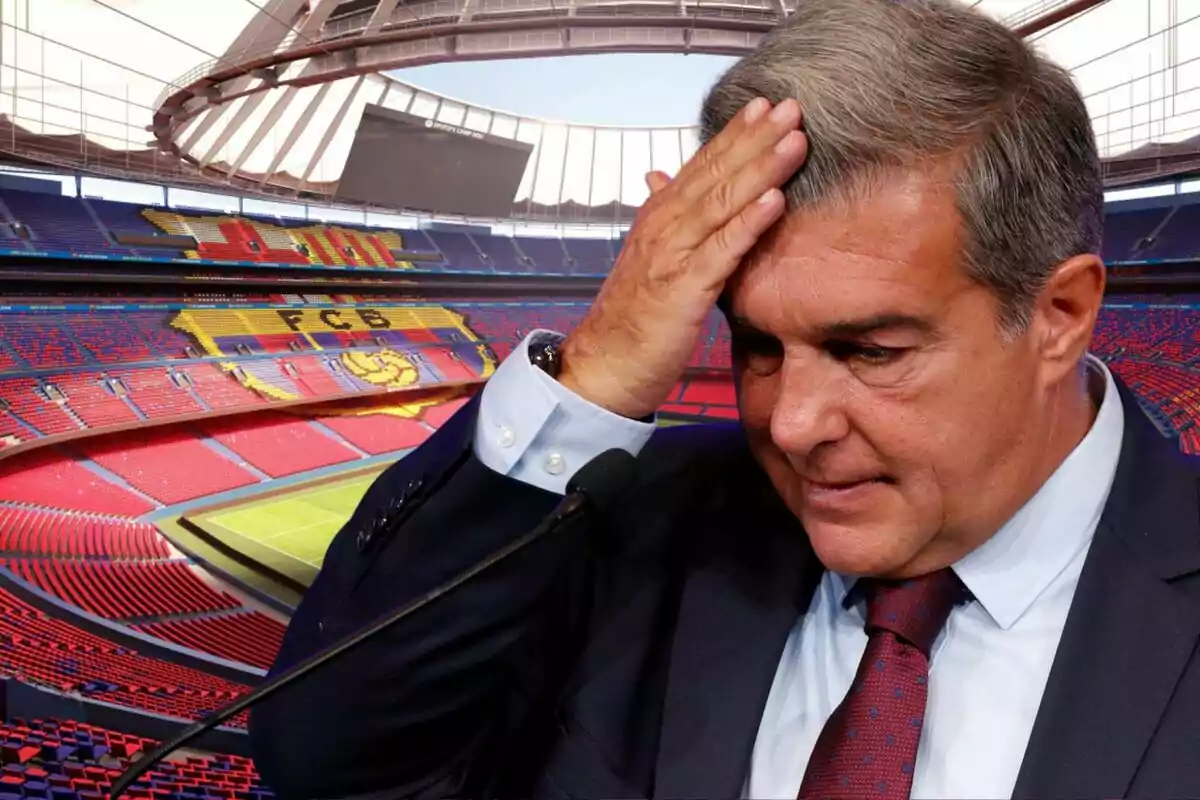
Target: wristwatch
[{"x": 545, "y": 353}]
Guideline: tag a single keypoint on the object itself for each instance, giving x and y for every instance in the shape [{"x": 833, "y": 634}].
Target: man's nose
[{"x": 810, "y": 409}]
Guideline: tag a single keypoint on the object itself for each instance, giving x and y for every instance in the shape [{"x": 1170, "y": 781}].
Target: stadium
[{"x": 237, "y": 286}]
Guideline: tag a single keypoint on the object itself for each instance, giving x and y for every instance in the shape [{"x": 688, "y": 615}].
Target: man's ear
[{"x": 1066, "y": 311}]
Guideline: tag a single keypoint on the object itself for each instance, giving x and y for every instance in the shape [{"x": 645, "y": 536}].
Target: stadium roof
[{"x": 264, "y": 96}]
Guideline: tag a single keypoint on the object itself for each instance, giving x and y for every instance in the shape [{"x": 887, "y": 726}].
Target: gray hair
[{"x": 898, "y": 84}]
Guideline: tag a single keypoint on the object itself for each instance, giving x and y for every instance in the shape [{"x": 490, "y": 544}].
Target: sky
[{"x": 617, "y": 89}]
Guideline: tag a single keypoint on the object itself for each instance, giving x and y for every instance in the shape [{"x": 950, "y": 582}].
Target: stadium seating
[
  {"x": 87, "y": 226},
  {"x": 544, "y": 255},
  {"x": 51, "y": 652},
  {"x": 156, "y": 393},
  {"x": 58, "y": 222},
  {"x": 71, "y": 371},
  {"x": 1180, "y": 236},
  {"x": 460, "y": 251},
  {"x": 171, "y": 467},
  {"x": 249, "y": 637},
  {"x": 26, "y": 399},
  {"x": 48, "y": 479},
  {"x": 42, "y": 532},
  {"x": 1126, "y": 233},
  {"x": 69, "y": 760},
  {"x": 123, "y": 590},
  {"x": 1152, "y": 233},
  {"x": 376, "y": 434},
  {"x": 277, "y": 241},
  {"x": 92, "y": 399},
  {"x": 279, "y": 445},
  {"x": 128, "y": 218},
  {"x": 589, "y": 256}
]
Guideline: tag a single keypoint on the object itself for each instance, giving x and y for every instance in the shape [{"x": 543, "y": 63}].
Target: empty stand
[
  {"x": 545, "y": 255},
  {"x": 1179, "y": 238},
  {"x": 171, "y": 468},
  {"x": 27, "y": 400},
  {"x": 589, "y": 256},
  {"x": 248, "y": 637},
  {"x": 69, "y": 760},
  {"x": 501, "y": 253},
  {"x": 57, "y": 222},
  {"x": 156, "y": 393},
  {"x": 124, "y": 590},
  {"x": 459, "y": 251},
  {"x": 12, "y": 432},
  {"x": 69, "y": 535},
  {"x": 42, "y": 340},
  {"x": 108, "y": 337},
  {"x": 279, "y": 445},
  {"x": 1126, "y": 232},
  {"x": 46, "y": 478},
  {"x": 219, "y": 390},
  {"x": 92, "y": 399},
  {"x": 313, "y": 377},
  {"x": 53, "y": 653},
  {"x": 378, "y": 433}
]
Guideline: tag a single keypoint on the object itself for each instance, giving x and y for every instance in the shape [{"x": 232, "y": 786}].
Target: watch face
[{"x": 543, "y": 354}]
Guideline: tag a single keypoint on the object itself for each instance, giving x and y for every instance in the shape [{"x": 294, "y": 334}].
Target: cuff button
[{"x": 555, "y": 464}]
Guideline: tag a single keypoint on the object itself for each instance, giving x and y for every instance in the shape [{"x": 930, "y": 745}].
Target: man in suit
[{"x": 944, "y": 554}]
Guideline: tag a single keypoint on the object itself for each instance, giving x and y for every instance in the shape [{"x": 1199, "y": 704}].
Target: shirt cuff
[{"x": 533, "y": 429}]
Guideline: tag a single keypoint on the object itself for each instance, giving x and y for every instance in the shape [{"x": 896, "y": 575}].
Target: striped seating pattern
[
  {"x": 124, "y": 590},
  {"x": 47, "y": 478},
  {"x": 41, "y": 532},
  {"x": 249, "y": 637},
  {"x": 172, "y": 467},
  {"x": 279, "y": 445},
  {"x": 69, "y": 760},
  {"x": 232, "y": 238},
  {"x": 51, "y": 652}
]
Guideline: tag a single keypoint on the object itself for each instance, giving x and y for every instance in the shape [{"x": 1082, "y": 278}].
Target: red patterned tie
[{"x": 868, "y": 747}]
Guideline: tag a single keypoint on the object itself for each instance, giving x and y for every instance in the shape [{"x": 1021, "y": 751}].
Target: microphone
[{"x": 596, "y": 488}]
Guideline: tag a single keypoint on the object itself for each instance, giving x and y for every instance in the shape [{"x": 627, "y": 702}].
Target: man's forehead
[{"x": 887, "y": 257}]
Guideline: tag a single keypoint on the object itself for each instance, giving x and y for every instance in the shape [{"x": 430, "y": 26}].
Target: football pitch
[{"x": 287, "y": 532}]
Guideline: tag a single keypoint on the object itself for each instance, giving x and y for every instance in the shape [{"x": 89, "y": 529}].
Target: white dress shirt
[{"x": 988, "y": 667}]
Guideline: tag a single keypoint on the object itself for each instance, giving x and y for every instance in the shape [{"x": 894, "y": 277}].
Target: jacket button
[{"x": 364, "y": 539}]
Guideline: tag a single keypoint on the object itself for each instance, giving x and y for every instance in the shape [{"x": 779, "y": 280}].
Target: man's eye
[{"x": 871, "y": 355}]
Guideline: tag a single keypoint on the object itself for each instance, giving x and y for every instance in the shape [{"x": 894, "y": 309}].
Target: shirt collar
[{"x": 1009, "y": 571}]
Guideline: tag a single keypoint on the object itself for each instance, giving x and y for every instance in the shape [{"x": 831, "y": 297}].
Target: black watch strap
[{"x": 545, "y": 353}]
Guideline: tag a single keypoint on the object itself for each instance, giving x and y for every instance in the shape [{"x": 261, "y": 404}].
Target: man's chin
[{"x": 866, "y": 548}]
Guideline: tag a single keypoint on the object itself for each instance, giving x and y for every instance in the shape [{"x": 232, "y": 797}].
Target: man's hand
[{"x": 633, "y": 345}]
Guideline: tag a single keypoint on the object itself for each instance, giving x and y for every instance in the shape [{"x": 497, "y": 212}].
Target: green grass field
[
  {"x": 288, "y": 533},
  {"x": 300, "y": 525}
]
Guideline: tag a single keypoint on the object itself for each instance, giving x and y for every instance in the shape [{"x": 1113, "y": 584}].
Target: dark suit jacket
[{"x": 632, "y": 656}]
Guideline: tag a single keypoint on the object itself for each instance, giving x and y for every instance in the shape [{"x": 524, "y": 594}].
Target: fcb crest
[{"x": 384, "y": 368}]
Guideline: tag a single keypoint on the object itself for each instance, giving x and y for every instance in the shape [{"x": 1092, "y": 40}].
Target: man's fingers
[
  {"x": 703, "y": 198},
  {"x": 715, "y": 166},
  {"x": 750, "y": 115},
  {"x": 726, "y": 199},
  {"x": 769, "y": 170},
  {"x": 656, "y": 181},
  {"x": 721, "y": 253}
]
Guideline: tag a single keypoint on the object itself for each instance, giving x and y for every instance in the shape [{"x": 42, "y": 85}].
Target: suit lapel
[
  {"x": 1129, "y": 634},
  {"x": 754, "y": 579}
]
